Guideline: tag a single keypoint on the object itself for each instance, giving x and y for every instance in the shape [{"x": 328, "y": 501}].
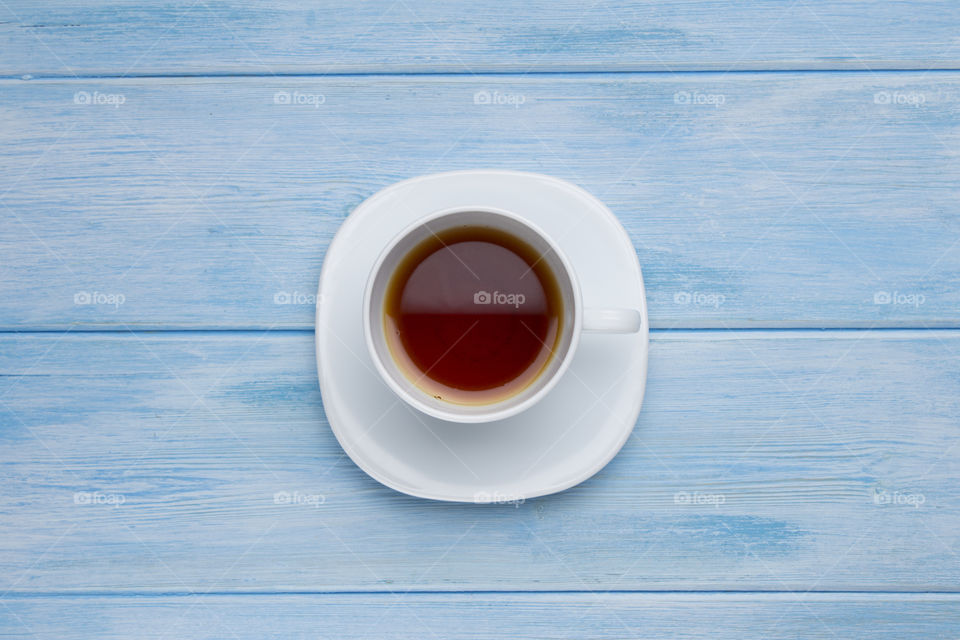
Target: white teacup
[{"x": 575, "y": 318}]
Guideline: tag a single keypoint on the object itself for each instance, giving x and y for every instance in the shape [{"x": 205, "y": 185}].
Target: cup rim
[{"x": 494, "y": 414}]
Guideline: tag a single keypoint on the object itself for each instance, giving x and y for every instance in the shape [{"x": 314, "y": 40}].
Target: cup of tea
[{"x": 472, "y": 314}]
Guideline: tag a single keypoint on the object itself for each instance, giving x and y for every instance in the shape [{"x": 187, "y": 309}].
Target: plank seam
[
  {"x": 519, "y": 592},
  {"x": 466, "y": 74},
  {"x": 659, "y": 331}
]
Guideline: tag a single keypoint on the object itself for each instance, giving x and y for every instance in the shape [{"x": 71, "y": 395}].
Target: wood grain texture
[
  {"x": 487, "y": 616},
  {"x": 768, "y": 460},
  {"x": 124, "y": 37},
  {"x": 792, "y": 484},
  {"x": 754, "y": 200}
]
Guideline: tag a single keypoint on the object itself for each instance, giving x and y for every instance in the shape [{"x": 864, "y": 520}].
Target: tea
[{"x": 472, "y": 314}]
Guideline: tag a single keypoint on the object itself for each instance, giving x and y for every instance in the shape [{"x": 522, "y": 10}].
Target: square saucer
[{"x": 563, "y": 440}]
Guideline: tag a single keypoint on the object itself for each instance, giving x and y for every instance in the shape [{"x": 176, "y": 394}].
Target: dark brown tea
[{"x": 473, "y": 314}]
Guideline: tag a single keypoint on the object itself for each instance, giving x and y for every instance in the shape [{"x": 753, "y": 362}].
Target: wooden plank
[
  {"x": 761, "y": 461},
  {"x": 123, "y": 37},
  {"x": 485, "y": 615},
  {"x": 754, "y": 200}
]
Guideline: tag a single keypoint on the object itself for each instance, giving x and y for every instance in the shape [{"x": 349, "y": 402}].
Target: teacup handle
[{"x": 612, "y": 320}]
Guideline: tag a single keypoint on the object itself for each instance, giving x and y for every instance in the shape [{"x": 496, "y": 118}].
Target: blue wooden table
[{"x": 171, "y": 175}]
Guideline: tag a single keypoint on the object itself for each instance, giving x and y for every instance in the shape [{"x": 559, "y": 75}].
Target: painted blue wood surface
[
  {"x": 781, "y": 482},
  {"x": 486, "y": 616},
  {"x": 762, "y": 460},
  {"x": 126, "y": 37},
  {"x": 792, "y": 204}
]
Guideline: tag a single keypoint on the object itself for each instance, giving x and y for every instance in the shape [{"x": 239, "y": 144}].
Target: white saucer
[{"x": 566, "y": 438}]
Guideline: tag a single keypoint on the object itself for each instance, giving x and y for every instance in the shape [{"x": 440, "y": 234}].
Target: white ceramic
[
  {"x": 554, "y": 444},
  {"x": 575, "y": 317}
]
